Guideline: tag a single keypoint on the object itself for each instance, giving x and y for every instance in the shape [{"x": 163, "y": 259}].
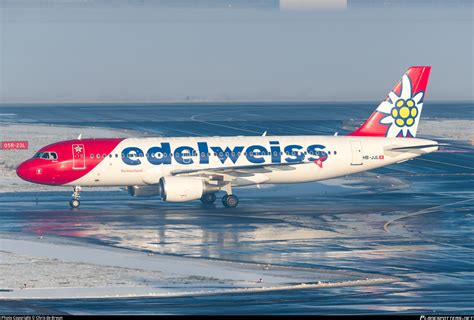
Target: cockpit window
[{"x": 46, "y": 155}]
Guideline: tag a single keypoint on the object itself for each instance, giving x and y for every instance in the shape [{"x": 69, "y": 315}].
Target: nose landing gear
[{"x": 75, "y": 203}]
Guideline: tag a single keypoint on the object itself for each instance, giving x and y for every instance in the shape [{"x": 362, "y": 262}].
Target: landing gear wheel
[
  {"x": 74, "y": 203},
  {"x": 208, "y": 198},
  {"x": 230, "y": 201}
]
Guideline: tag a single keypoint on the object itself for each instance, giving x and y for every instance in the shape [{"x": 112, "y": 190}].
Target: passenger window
[{"x": 92, "y": 156}]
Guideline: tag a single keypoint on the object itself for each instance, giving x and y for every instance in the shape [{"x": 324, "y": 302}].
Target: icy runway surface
[
  {"x": 58, "y": 269},
  {"x": 398, "y": 239}
]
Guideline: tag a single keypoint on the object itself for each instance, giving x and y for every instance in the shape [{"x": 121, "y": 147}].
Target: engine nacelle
[
  {"x": 145, "y": 191},
  {"x": 181, "y": 189}
]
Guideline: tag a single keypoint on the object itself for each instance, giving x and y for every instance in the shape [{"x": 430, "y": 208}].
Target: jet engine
[{"x": 181, "y": 189}]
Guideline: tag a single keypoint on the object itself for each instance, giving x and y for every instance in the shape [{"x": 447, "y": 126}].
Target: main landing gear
[
  {"x": 230, "y": 201},
  {"x": 75, "y": 203},
  {"x": 208, "y": 198}
]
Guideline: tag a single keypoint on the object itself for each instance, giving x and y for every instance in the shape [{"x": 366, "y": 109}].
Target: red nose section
[{"x": 73, "y": 160}]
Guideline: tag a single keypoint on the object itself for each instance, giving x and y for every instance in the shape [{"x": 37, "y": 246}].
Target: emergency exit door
[
  {"x": 356, "y": 148},
  {"x": 78, "y": 157}
]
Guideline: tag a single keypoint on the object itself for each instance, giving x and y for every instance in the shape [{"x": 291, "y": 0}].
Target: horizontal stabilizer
[{"x": 419, "y": 147}]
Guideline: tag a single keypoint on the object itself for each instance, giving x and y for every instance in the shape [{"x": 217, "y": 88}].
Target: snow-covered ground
[
  {"x": 456, "y": 129},
  {"x": 62, "y": 268},
  {"x": 39, "y": 136}
]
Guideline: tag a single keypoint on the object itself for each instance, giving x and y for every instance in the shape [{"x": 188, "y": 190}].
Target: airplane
[{"x": 196, "y": 168}]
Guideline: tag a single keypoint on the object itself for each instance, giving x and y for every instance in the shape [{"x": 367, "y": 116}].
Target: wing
[{"x": 254, "y": 174}]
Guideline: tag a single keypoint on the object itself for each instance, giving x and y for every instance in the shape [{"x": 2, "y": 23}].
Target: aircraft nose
[{"x": 25, "y": 171}]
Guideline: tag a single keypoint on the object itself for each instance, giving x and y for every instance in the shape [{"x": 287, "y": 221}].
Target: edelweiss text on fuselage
[{"x": 158, "y": 155}]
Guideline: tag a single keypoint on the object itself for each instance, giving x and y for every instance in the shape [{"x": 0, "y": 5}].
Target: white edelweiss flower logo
[{"x": 402, "y": 112}]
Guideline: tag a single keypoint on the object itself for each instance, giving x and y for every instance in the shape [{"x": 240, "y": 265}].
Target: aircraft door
[
  {"x": 356, "y": 148},
  {"x": 78, "y": 157}
]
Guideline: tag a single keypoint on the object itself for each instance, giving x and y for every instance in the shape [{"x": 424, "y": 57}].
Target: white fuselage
[{"x": 143, "y": 161}]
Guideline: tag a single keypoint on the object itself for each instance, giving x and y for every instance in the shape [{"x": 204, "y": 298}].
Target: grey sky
[{"x": 149, "y": 54}]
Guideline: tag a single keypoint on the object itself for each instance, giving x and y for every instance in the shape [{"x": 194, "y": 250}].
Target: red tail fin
[{"x": 399, "y": 114}]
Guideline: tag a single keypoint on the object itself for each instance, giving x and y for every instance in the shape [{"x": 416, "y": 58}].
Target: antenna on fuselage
[
  {"x": 264, "y": 134},
  {"x": 335, "y": 133},
  {"x": 79, "y": 137}
]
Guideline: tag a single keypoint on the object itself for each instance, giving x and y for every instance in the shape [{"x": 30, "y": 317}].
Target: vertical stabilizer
[{"x": 399, "y": 114}]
